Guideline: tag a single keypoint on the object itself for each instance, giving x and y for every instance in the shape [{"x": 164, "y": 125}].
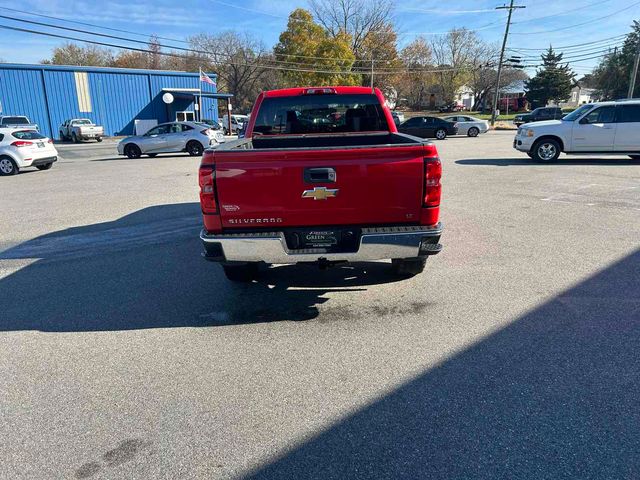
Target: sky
[{"x": 542, "y": 23}]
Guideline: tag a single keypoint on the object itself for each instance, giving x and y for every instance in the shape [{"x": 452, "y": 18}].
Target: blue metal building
[{"x": 112, "y": 97}]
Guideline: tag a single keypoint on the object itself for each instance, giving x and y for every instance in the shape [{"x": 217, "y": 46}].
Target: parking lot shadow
[
  {"x": 145, "y": 270},
  {"x": 554, "y": 395},
  {"x": 526, "y": 161}
]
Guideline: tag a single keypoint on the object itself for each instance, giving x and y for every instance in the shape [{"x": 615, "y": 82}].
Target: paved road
[{"x": 515, "y": 355}]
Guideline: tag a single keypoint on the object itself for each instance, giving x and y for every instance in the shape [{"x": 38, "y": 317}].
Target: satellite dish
[{"x": 167, "y": 98}]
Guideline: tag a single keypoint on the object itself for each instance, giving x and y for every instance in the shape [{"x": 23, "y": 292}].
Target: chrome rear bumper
[{"x": 378, "y": 243}]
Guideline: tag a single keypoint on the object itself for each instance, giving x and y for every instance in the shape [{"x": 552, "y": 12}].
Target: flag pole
[{"x": 200, "y": 95}]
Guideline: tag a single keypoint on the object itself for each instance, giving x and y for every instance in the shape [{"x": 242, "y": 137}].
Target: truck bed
[{"x": 298, "y": 142}]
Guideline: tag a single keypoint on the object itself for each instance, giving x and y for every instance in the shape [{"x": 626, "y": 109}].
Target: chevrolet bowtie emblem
[{"x": 320, "y": 193}]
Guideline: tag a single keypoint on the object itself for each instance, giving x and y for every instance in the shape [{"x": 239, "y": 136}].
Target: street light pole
[
  {"x": 511, "y": 8},
  {"x": 634, "y": 73}
]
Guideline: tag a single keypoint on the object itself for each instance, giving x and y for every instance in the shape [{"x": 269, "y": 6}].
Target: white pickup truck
[
  {"x": 595, "y": 128},
  {"x": 17, "y": 121},
  {"x": 78, "y": 129}
]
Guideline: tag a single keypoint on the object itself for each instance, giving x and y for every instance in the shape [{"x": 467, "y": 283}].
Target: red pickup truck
[{"x": 323, "y": 176}]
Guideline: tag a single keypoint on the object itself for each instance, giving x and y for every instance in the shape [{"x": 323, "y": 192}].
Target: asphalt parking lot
[{"x": 515, "y": 355}]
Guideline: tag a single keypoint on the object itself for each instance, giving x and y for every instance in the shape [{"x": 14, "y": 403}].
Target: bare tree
[
  {"x": 357, "y": 18},
  {"x": 238, "y": 60},
  {"x": 456, "y": 55},
  {"x": 415, "y": 83},
  {"x": 87, "y": 55}
]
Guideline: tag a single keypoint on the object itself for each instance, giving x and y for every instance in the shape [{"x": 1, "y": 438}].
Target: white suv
[{"x": 606, "y": 127}]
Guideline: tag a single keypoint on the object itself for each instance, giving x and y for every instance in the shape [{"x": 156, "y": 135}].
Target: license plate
[
  {"x": 319, "y": 239},
  {"x": 40, "y": 145}
]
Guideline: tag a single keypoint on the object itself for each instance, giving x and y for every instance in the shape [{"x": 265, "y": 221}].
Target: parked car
[
  {"x": 215, "y": 126},
  {"x": 467, "y": 125},
  {"x": 17, "y": 121},
  {"x": 237, "y": 122},
  {"x": 79, "y": 129},
  {"x": 538, "y": 115},
  {"x": 600, "y": 128},
  {"x": 451, "y": 107},
  {"x": 428, "y": 127},
  {"x": 270, "y": 197},
  {"x": 21, "y": 148},
  {"x": 190, "y": 137}
]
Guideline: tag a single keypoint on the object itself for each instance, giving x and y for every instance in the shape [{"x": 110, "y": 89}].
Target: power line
[
  {"x": 578, "y": 24},
  {"x": 565, "y": 12},
  {"x": 254, "y": 65},
  {"x": 566, "y": 47},
  {"x": 90, "y": 24}
]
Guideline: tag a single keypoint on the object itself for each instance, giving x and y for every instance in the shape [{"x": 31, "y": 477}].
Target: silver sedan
[
  {"x": 467, "y": 125},
  {"x": 190, "y": 137}
]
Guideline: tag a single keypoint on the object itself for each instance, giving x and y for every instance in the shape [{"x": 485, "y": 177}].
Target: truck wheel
[
  {"x": 46, "y": 166},
  {"x": 473, "y": 132},
  {"x": 74, "y": 138},
  {"x": 132, "y": 151},
  {"x": 241, "y": 272},
  {"x": 441, "y": 134},
  {"x": 98, "y": 139},
  {"x": 62, "y": 137},
  {"x": 7, "y": 167},
  {"x": 546, "y": 150},
  {"x": 408, "y": 267},
  {"x": 195, "y": 148}
]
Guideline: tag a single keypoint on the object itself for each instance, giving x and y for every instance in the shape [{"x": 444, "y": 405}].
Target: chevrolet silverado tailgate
[{"x": 324, "y": 186}]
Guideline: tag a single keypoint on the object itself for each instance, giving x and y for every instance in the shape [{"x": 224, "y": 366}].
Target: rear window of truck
[
  {"x": 327, "y": 113},
  {"x": 15, "y": 121}
]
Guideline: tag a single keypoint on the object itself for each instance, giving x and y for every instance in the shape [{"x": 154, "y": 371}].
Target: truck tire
[
  {"x": 46, "y": 166},
  {"x": 132, "y": 151},
  {"x": 241, "y": 272},
  {"x": 441, "y": 134},
  {"x": 473, "y": 132},
  {"x": 74, "y": 138},
  {"x": 408, "y": 267},
  {"x": 546, "y": 150},
  {"x": 62, "y": 137},
  {"x": 98, "y": 139},
  {"x": 7, "y": 167},
  {"x": 195, "y": 148}
]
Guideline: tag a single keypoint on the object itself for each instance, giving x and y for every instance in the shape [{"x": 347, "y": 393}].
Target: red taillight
[
  {"x": 206, "y": 177},
  {"x": 432, "y": 186},
  {"x": 50, "y": 140},
  {"x": 22, "y": 143}
]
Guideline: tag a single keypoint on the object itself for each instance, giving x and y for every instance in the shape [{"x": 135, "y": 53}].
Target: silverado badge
[{"x": 320, "y": 193}]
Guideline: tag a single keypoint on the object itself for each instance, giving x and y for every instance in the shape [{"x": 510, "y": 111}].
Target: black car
[
  {"x": 428, "y": 127},
  {"x": 538, "y": 115}
]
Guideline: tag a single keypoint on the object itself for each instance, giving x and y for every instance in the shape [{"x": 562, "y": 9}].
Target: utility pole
[
  {"x": 371, "y": 72},
  {"x": 634, "y": 73},
  {"x": 511, "y": 8}
]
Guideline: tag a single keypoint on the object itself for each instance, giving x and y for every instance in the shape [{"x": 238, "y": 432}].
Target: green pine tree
[{"x": 552, "y": 83}]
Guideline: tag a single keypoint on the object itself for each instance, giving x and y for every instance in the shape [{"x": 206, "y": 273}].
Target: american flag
[{"x": 206, "y": 79}]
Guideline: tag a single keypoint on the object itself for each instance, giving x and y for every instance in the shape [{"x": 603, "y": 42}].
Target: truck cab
[{"x": 322, "y": 176}]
